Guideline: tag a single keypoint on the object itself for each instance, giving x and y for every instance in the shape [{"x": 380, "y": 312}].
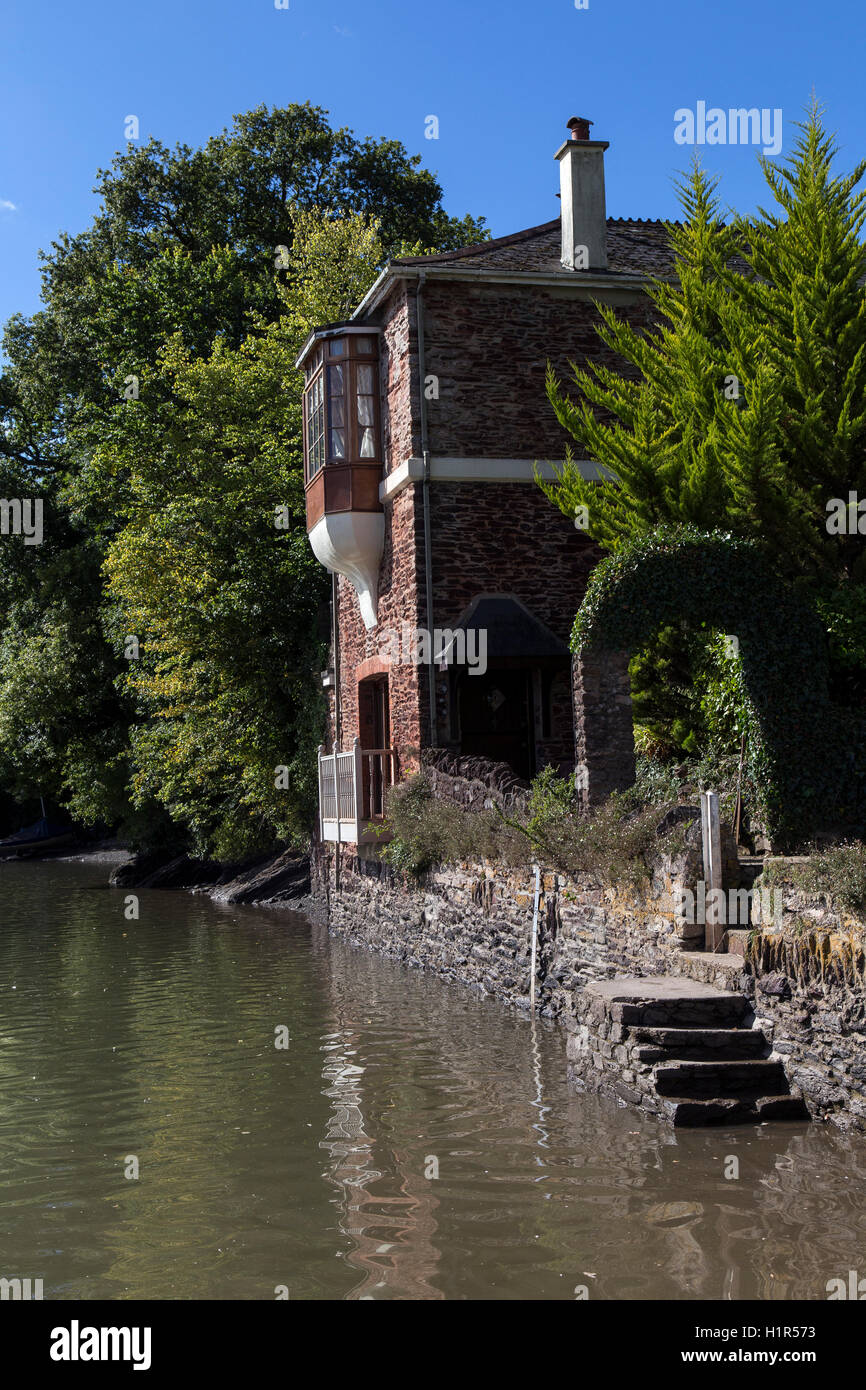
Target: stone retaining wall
[
  {"x": 474, "y": 783},
  {"x": 472, "y": 923},
  {"x": 807, "y": 980}
]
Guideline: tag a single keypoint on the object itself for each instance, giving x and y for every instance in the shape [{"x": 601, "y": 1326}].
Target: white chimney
[{"x": 583, "y": 213}]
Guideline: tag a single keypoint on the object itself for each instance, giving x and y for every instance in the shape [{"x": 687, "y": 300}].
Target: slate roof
[{"x": 634, "y": 247}]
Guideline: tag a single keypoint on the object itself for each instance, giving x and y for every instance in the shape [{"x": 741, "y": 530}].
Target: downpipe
[{"x": 428, "y": 557}]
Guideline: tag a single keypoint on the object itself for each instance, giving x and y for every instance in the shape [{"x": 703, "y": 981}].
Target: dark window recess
[
  {"x": 546, "y": 702},
  {"x": 337, "y": 412}
]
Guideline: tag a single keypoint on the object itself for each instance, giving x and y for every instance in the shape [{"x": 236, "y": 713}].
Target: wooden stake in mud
[
  {"x": 739, "y": 811},
  {"x": 534, "y": 939}
]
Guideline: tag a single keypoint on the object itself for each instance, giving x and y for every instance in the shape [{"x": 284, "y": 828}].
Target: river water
[{"x": 309, "y": 1169}]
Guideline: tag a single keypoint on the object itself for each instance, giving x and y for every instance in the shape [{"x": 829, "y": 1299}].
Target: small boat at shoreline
[{"x": 42, "y": 835}]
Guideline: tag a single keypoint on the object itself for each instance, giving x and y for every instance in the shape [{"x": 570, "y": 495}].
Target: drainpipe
[
  {"x": 338, "y": 735},
  {"x": 335, "y": 637},
  {"x": 425, "y": 454}
]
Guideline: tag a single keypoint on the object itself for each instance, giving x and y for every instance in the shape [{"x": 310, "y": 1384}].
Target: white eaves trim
[
  {"x": 582, "y": 280},
  {"x": 477, "y": 470},
  {"x": 335, "y": 330}
]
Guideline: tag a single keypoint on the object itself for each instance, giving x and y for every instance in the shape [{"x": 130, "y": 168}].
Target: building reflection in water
[
  {"x": 391, "y": 1231},
  {"x": 542, "y": 1189}
]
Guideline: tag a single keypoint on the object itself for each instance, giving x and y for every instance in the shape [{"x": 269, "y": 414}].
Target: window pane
[
  {"x": 366, "y": 412},
  {"x": 315, "y": 412},
  {"x": 335, "y": 380},
  {"x": 368, "y": 447},
  {"x": 366, "y": 345},
  {"x": 338, "y": 448},
  {"x": 338, "y": 407},
  {"x": 365, "y": 381},
  {"x": 337, "y": 347}
]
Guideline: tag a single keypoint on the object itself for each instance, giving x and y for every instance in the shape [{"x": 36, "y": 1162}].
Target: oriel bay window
[{"x": 342, "y": 425}]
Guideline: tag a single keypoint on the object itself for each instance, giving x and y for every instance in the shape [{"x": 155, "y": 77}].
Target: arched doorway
[{"x": 796, "y": 742}]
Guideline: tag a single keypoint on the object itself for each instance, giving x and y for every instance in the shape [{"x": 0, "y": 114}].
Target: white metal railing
[{"x": 352, "y": 789}]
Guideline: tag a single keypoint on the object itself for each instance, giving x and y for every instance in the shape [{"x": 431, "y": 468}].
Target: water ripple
[{"x": 413, "y": 1140}]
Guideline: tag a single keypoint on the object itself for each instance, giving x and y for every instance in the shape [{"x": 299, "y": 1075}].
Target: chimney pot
[{"x": 579, "y": 127}]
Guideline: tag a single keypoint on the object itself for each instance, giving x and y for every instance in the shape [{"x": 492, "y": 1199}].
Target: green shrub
[
  {"x": 725, "y": 704},
  {"x": 615, "y": 843},
  {"x": 657, "y": 780},
  {"x": 665, "y": 781},
  {"x": 838, "y": 873},
  {"x": 427, "y": 830}
]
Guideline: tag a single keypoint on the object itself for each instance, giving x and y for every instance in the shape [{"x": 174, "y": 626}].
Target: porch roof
[{"x": 514, "y": 634}]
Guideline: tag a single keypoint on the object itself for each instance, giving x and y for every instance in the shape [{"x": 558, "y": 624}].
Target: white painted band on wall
[{"x": 478, "y": 470}]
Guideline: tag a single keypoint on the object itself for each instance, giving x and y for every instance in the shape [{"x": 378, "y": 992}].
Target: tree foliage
[
  {"x": 212, "y": 571},
  {"x": 743, "y": 409},
  {"x": 747, "y": 403},
  {"x": 153, "y": 405}
]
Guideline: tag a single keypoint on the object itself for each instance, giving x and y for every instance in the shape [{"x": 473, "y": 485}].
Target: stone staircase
[
  {"x": 750, "y": 868},
  {"x": 681, "y": 1049}
]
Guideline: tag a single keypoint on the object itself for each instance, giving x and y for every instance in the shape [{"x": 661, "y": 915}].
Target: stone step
[
  {"x": 745, "y": 1079},
  {"x": 737, "y": 940},
  {"x": 664, "y": 1001},
  {"x": 751, "y": 868},
  {"x": 698, "y": 1044},
  {"x": 681, "y": 1049},
  {"x": 685, "y": 1111},
  {"x": 717, "y": 969},
  {"x": 791, "y": 1107},
  {"x": 718, "y": 1010}
]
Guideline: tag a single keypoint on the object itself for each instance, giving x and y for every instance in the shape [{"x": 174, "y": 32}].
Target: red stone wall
[
  {"x": 398, "y": 367},
  {"x": 489, "y": 347},
  {"x": 506, "y": 538},
  {"x": 399, "y": 589},
  {"x": 487, "y": 538}
]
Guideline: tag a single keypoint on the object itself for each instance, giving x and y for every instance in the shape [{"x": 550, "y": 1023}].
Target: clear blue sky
[{"x": 502, "y": 76}]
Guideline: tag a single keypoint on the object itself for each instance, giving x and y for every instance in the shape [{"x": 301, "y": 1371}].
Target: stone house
[{"x": 455, "y": 581}]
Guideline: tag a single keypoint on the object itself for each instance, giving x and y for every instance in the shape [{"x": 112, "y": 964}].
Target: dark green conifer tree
[{"x": 744, "y": 409}]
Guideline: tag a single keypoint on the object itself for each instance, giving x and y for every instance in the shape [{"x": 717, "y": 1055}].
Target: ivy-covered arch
[{"x": 795, "y": 748}]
